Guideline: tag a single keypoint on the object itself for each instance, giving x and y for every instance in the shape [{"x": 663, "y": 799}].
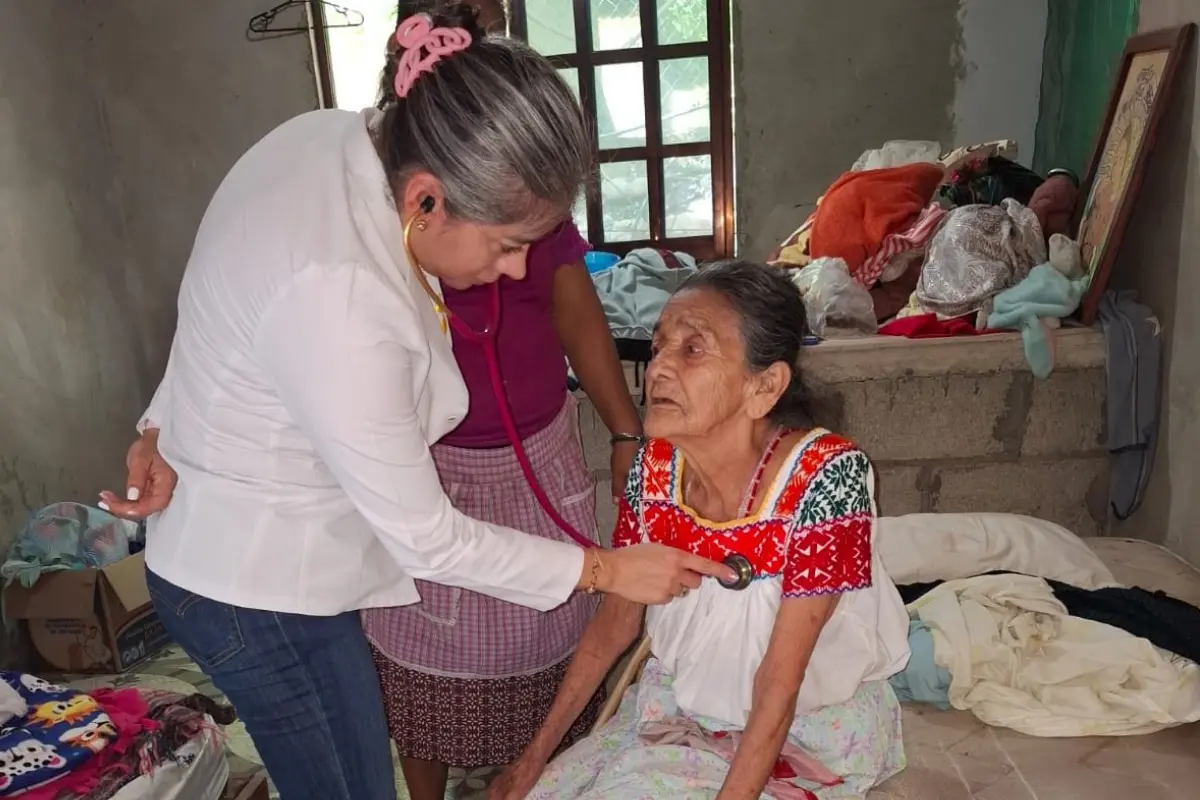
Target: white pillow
[{"x": 922, "y": 548}]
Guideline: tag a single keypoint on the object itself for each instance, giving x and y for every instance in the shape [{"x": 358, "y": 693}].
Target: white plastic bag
[
  {"x": 898, "y": 153},
  {"x": 832, "y": 299}
]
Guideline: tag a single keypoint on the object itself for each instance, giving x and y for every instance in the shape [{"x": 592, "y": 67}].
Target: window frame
[{"x": 717, "y": 48}]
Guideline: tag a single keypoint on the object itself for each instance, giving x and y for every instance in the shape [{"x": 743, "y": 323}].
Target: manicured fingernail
[
  {"x": 103, "y": 506},
  {"x": 133, "y": 494}
]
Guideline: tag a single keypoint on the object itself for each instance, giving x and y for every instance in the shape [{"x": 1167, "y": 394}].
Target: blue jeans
[{"x": 305, "y": 687}]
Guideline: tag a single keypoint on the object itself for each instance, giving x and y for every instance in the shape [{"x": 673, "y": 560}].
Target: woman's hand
[
  {"x": 650, "y": 574},
  {"x": 623, "y": 454},
  {"x": 517, "y": 779},
  {"x": 149, "y": 484}
]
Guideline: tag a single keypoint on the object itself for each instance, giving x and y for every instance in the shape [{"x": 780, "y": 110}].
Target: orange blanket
[{"x": 862, "y": 208}]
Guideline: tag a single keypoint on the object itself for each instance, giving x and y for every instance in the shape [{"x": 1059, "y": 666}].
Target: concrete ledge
[{"x": 877, "y": 357}]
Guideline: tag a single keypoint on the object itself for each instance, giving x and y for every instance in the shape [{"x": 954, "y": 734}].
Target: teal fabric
[
  {"x": 1045, "y": 293},
  {"x": 922, "y": 681},
  {"x": 634, "y": 291}
]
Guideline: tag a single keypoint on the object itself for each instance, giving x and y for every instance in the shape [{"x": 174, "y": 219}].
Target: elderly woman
[{"x": 779, "y": 689}]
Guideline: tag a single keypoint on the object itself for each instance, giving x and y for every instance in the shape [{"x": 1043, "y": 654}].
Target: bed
[{"x": 952, "y": 755}]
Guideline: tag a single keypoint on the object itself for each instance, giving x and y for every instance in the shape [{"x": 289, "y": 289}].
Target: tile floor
[{"x": 951, "y": 755}]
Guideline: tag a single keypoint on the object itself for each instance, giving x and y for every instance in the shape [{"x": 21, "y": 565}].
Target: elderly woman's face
[{"x": 697, "y": 378}]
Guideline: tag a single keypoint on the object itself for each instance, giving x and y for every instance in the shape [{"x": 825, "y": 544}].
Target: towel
[
  {"x": 1044, "y": 294},
  {"x": 634, "y": 290},
  {"x": 1133, "y": 337}
]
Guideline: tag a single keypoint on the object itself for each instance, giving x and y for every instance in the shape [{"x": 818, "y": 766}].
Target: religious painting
[{"x": 1126, "y": 138}]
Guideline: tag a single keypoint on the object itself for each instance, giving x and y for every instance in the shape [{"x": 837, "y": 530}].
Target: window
[{"x": 653, "y": 77}]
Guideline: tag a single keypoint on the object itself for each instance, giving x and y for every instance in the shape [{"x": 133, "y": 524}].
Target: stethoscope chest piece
[{"x": 745, "y": 572}]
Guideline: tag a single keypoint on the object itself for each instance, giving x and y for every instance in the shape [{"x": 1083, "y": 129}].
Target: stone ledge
[{"x": 877, "y": 357}]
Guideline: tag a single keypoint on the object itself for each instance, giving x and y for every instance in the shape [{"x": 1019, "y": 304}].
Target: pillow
[{"x": 922, "y": 548}]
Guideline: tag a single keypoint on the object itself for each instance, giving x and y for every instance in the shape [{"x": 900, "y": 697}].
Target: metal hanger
[{"x": 262, "y": 25}]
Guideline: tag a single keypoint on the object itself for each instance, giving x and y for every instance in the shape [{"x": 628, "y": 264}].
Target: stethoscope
[{"x": 486, "y": 339}]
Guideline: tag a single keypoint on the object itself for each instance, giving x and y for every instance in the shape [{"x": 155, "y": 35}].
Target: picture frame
[{"x": 1139, "y": 98}]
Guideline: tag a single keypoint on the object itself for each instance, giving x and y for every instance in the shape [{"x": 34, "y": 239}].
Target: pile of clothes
[
  {"x": 912, "y": 243},
  {"x": 1021, "y": 624},
  {"x": 58, "y": 743}
]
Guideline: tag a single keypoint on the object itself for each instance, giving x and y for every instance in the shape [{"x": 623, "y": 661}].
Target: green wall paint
[{"x": 1084, "y": 41}]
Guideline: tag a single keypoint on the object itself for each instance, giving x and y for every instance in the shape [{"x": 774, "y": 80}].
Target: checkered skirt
[{"x": 447, "y": 660}]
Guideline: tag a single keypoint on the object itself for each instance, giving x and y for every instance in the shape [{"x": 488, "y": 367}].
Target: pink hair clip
[{"x": 424, "y": 46}]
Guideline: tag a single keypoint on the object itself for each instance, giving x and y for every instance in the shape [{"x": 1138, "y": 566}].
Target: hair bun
[{"x": 445, "y": 14}]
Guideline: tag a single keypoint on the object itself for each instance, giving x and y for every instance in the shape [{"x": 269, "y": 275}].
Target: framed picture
[{"x": 1139, "y": 98}]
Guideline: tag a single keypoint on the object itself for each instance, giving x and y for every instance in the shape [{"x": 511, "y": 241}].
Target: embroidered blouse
[{"x": 812, "y": 535}]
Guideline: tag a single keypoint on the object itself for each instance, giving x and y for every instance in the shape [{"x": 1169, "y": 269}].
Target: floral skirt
[{"x": 859, "y": 740}]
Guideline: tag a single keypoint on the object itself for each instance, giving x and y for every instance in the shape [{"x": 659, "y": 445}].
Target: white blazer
[{"x": 308, "y": 376}]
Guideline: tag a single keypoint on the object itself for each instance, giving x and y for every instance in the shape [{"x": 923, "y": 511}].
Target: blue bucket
[{"x": 598, "y": 261}]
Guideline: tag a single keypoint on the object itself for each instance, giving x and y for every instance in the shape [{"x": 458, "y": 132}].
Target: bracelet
[
  {"x": 595, "y": 576},
  {"x": 617, "y": 438}
]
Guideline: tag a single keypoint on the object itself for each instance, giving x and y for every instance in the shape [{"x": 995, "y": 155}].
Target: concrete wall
[
  {"x": 1160, "y": 257},
  {"x": 818, "y": 82},
  {"x": 117, "y": 120}
]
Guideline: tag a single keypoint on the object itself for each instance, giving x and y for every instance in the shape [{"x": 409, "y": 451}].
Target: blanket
[{"x": 1018, "y": 660}]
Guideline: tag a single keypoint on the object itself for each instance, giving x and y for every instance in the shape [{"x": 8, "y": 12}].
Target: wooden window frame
[{"x": 719, "y": 148}]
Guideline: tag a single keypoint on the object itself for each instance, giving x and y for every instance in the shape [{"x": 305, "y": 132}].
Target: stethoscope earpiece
[{"x": 745, "y": 572}]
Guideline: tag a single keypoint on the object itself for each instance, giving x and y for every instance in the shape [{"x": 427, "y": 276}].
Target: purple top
[{"x": 532, "y": 362}]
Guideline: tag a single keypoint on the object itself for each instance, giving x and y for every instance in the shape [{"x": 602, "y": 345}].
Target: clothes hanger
[{"x": 262, "y": 25}]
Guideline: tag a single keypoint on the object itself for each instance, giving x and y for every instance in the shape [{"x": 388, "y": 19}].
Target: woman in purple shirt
[{"x": 468, "y": 679}]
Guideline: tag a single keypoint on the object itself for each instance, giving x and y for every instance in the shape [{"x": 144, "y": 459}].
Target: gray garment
[
  {"x": 634, "y": 291},
  {"x": 978, "y": 252},
  {"x": 1133, "y": 338}
]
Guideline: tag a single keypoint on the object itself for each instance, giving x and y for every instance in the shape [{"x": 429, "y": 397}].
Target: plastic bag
[
  {"x": 832, "y": 299},
  {"x": 65, "y": 536},
  {"x": 897, "y": 153}
]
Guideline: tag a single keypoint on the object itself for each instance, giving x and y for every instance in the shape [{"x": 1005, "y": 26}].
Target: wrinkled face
[{"x": 697, "y": 378}]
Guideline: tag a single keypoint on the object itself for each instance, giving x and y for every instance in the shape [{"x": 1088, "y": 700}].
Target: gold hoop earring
[{"x": 438, "y": 306}]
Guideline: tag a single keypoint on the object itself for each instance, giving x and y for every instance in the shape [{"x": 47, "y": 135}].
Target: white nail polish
[
  {"x": 103, "y": 506},
  {"x": 133, "y": 494}
]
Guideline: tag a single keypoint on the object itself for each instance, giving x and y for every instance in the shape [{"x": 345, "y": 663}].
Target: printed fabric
[
  {"x": 62, "y": 730},
  {"x": 859, "y": 741}
]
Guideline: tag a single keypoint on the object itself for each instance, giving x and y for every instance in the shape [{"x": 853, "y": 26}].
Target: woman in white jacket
[{"x": 311, "y": 370}]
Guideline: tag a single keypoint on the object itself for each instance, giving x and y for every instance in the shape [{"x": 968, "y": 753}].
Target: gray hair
[
  {"x": 495, "y": 123},
  {"x": 771, "y": 322}
]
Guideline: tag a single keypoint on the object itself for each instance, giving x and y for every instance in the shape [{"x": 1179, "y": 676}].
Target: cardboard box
[
  {"x": 253, "y": 788},
  {"x": 90, "y": 620}
]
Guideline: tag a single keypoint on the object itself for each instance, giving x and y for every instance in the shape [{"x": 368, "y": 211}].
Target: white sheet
[
  {"x": 1017, "y": 660},
  {"x": 921, "y": 548}
]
